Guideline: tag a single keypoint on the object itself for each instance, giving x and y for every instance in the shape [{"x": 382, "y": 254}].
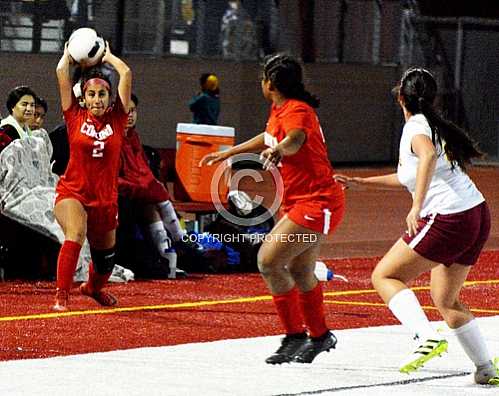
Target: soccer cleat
[
  {"x": 103, "y": 298},
  {"x": 188, "y": 245},
  {"x": 426, "y": 351},
  {"x": 179, "y": 273},
  {"x": 488, "y": 374},
  {"x": 61, "y": 300},
  {"x": 290, "y": 344},
  {"x": 313, "y": 346}
]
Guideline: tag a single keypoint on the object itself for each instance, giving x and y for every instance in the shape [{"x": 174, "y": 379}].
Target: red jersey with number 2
[
  {"x": 94, "y": 145},
  {"x": 307, "y": 175}
]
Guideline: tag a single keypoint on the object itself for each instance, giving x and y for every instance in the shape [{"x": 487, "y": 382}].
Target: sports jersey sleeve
[
  {"x": 414, "y": 127},
  {"x": 5, "y": 139},
  {"x": 298, "y": 117},
  {"x": 7, "y": 134},
  {"x": 10, "y": 131}
]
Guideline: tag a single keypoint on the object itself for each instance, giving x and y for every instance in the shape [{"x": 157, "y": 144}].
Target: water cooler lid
[{"x": 202, "y": 129}]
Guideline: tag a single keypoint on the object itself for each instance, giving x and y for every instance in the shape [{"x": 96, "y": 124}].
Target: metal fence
[
  {"x": 357, "y": 31},
  {"x": 232, "y": 29},
  {"x": 462, "y": 51}
]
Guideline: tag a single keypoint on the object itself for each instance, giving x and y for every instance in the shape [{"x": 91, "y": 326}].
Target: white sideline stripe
[
  {"x": 423, "y": 232},
  {"x": 365, "y": 362}
]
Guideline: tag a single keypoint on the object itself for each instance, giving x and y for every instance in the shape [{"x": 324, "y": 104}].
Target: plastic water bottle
[
  {"x": 171, "y": 256},
  {"x": 322, "y": 272}
]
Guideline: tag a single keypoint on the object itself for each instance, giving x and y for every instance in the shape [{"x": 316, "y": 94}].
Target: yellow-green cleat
[
  {"x": 426, "y": 351},
  {"x": 488, "y": 374}
]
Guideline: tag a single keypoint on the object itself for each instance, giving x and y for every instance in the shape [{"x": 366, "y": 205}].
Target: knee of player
[
  {"x": 269, "y": 263},
  {"x": 76, "y": 234},
  {"x": 444, "y": 302},
  {"x": 301, "y": 271},
  {"x": 265, "y": 261},
  {"x": 376, "y": 278}
]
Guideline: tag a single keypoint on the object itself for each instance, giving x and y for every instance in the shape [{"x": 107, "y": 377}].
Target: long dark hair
[
  {"x": 418, "y": 90},
  {"x": 286, "y": 74}
]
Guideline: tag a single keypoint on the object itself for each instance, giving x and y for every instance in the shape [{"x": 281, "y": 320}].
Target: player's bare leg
[
  {"x": 397, "y": 268},
  {"x": 446, "y": 285}
]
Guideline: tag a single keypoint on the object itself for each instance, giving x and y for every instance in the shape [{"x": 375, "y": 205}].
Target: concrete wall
[{"x": 358, "y": 116}]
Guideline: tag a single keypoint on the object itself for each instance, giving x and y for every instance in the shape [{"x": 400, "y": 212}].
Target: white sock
[
  {"x": 160, "y": 237},
  {"x": 170, "y": 220},
  {"x": 471, "y": 340},
  {"x": 406, "y": 308}
]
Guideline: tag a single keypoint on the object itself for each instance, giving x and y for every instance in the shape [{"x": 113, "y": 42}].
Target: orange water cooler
[{"x": 194, "y": 141}]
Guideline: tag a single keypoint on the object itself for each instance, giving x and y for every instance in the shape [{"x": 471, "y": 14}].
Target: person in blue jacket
[{"x": 205, "y": 106}]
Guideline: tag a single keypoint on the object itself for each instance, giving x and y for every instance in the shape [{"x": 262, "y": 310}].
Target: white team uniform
[{"x": 450, "y": 190}]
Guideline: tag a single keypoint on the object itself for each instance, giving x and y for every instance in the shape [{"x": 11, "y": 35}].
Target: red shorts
[
  {"x": 453, "y": 238},
  {"x": 319, "y": 216},
  {"x": 100, "y": 219},
  {"x": 151, "y": 193}
]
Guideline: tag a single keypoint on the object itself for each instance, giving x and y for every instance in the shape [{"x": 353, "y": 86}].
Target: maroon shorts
[{"x": 453, "y": 238}]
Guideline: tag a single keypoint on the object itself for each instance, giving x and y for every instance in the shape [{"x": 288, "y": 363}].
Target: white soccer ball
[{"x": 86, "y": 47}]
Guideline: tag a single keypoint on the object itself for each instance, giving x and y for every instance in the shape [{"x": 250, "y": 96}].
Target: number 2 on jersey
[{"x": 98, "y": 151}]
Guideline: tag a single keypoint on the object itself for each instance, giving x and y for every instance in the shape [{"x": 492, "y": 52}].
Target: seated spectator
[
  {"x": 24, "y": 160},
  {"x": 205, "y": 106},
  {"x": 37, "y": 121},
  {"x": 138, "y": 184},
  {"x": 21, "y": 107},
  {"x": 41, "y": 109}
]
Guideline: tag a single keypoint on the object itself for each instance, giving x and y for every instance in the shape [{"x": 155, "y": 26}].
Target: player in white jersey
[{"x": 447, "y": 227}]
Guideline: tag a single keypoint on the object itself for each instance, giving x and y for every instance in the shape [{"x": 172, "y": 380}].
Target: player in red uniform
[
  {"x": 136, "y": 182},
  {"x": 86, "y": 201},
  {"x": 313, "y": 205}
]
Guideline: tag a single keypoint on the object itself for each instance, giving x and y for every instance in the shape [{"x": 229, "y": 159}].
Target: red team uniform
[
  {"x": 312, "y": 198},
  {"x": 91, "y": 176},
  {"x": 136, "y": 179}
]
